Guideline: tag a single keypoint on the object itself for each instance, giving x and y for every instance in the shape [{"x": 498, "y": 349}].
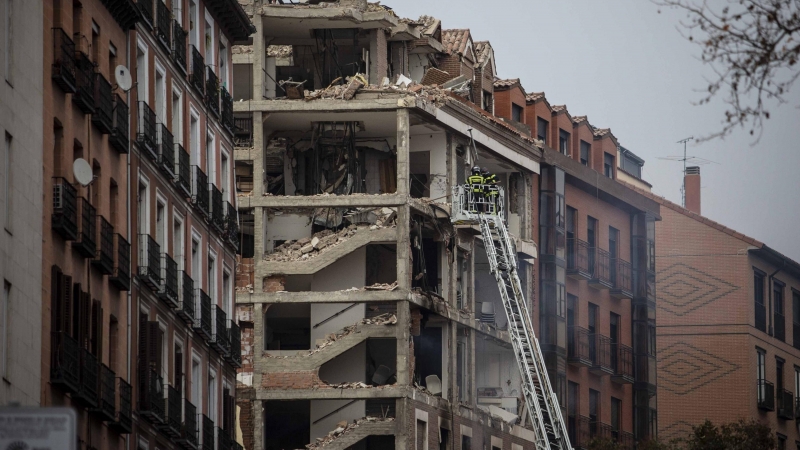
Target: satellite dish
[
  {"x": 82, "y": 172},
  {"x": 123, "y": 78}
]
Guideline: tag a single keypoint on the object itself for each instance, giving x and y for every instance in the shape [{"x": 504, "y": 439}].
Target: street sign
[{"x": 24, "y": 428}]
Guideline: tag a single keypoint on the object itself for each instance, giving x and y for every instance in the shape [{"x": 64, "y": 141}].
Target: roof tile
[{"x": 455, "y": 41}]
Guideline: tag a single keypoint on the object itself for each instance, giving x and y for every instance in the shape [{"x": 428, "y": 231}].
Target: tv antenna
[{"x": 693, "y": 160}]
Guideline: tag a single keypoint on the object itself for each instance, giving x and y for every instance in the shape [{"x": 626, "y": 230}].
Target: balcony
[
  {"x": 186, "y": 301},
  {"x": 235, "y": 338},
  {"x": 119, "y": 138},
  {"x": 188, "y": 436},
  {"x": 168, "y": 291},
  {"x": 64, "y": 219},
  {"x": 166, "y": 150},
  {"x": 65, "y": 364},
  {"x": 106, "y": 400},
  {"x": 780, "y": 326},
  {"x": 208, "y": 434},
  {"x": 123, "y": 424},
  {"x": 151, "y": 396},
  {"x": 578, "y": 347},
  {"x": 785, "y": 404},
  {"x": 765, "y": 395},
  {"x": 227, "y": 109},
  {"x": 224, "y": 441},
  {"x": 86, "y": 243},
  {"x": 578, "y": 259},
  {"x": 149, "y": 262},
  {"x": 212, "y": 92},
  {"x": 219, "y": 331},
  {"x": 163, "y": 27},
  {"x": 600, "y": 262},
  {"x": 621, "y": 278},
  {"x": 104, "y": 256},
  {"x": 90, "y": 369},
  {"x": 174, "y": 412},
  {"x": 216, "y": 212},
  {"x": 200, "y": 191},
  {"x": 232, "y": 225},
  {"x": 625, "y": 440},
  {"x": 121, "y": 277},
  {"x": 63, "y": 68},
  {"x": 103, "y": 117},
  {"x": 146, "y": 131},
  {"x": 179, "y": 46},
  {"x": 202, "y": 314},
  {"x": 183, "y": 171},
  {"x": 198, "y": 76},
  {"x": 622, "y": 363},
  {"x": 146, "y": 10},
  {"x": 600, "y": 351},
  {"x": 84, "y": 82},
  {"x": 243, "y": 132}
]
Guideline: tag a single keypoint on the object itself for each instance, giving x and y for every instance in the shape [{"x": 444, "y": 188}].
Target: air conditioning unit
[{"x": 58, "y": 196}]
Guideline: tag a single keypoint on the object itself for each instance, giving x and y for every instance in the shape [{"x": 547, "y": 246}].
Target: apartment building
[
  {"x": 184, "y": 223},
  {"x": 20, "y": 201},
  {"x": 596, "y": 281},
  {"x": 85, "y": 271},
  {"x": 728, "y": 324}
]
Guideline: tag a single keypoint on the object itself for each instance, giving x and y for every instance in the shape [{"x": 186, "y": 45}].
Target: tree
[
  {"x": 741, "y": 435},
  {"x": 753, "y": 47}
]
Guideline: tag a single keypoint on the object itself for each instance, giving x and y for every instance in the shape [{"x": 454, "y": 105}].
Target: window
[
  {"x": 212, "y": 278},
  {"x": 516, "y": 113},
  {"x": 223, "y": 177},
  {"x": 112, "y": 60},
  {"x": 211, "y": 159},
  {"x": 592, "y": 328},
  {"x": 563, "y": 142},
  {"x": 177, "y": 11},
  {"x": 594, "y": 414},
  {"x": 177, "y": 371},
  {"x": 778, "y": 313},
  {"x": 422, "y": 435},
  {"x": 141, "y": 72},
  {"x": 541, "y": 129},
  {"x": 608, "y": 165},
  {"x": 795, "y": 318},
  {"x": 781, "y": 442},
  {"x": 8, "y": 38},
  {"x": 196, "y": 383},
  {"x": 177, "y": 116},
  {"x": 161, "y": 224},
  {"x": 466, "y": 442},
  {"x": 616, "y": 413},
  {"x": 227, "y": 293},
  {"x": 586, "y": 150},
  {"x": 113, "y": 342},
  {"x": 178, "y": 242},
  {"x": 212, "y": 395},
  {"x": 761, "y": 371},
  {"x": 591, "y": 241},
  {"x": 143, "y": 207},
  {"x": 779, "y": 363},
  {"x": 572, "y": 222},
  {"x": 162, "y": 328},
  {"x": 208, "y": 37},
  {"x": 4, "y": 309},
  {"x": 488, "y": 104},
  {"x": 194, "y": 139},
  {"x": 113, "y": 196},
  {"x": 197, "y": 270},
  {"x": 758, "y": 297},
  {"x": 6, "y": 182},
  {"x": 796, "y": 382},
  {"x": 95, "y": 42},
  {"x": 194, "y": 22},
  {"x": 223, "y": 63},
  {"x": 444, "y": 439},
  {"x": 161, "y": 94},
  {"x": 573, "y": 410}
]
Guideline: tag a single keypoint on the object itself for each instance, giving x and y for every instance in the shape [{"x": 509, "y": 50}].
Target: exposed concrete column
[
  {"x": 259, "y": 54},
  {"x": 403, "y": 339},
  {"x": 403, "y": 149},
  {"x": 258, "y": 425},
  {"x": 402, "y": 418},
  {"x": 258, "y": 190}
]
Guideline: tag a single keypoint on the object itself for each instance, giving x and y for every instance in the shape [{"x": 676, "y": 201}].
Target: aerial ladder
[{"x": 475, "y": 208}]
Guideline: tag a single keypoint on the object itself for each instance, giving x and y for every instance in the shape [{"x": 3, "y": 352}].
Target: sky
[{"x": 625, "y": 66}]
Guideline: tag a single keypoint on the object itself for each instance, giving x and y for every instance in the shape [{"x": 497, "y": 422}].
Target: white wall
[
  {"x": 348, "y": 272},
  {"x": 319, "y": 408},
  {"x": 286, "y": 227},
  {"x": 437, "y": 145}
]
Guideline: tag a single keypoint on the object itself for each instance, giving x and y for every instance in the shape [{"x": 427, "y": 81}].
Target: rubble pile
[
  {"x": 343, "y": 428},
  {"x": 346, "y": 89}
]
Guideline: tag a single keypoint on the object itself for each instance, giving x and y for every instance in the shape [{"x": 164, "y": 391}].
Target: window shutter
[
  {"x": 97, "y": 329},
  {"x": 226, "y": 410},
  {"x": 154, "y": 347},
  {"x": 85, "y": 320},
  {"x": 179, "y": 370},
  {"x": 56, "y": 309},
  {"x": 144, "y": 358},
  {"x": 75, "y": 313},
  {"x": 66, "y": 304}
]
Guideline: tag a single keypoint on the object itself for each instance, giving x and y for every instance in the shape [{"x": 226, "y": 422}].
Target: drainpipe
[
  {"x": 128, "y": 210},
  {"x": 769, "y": 289}
]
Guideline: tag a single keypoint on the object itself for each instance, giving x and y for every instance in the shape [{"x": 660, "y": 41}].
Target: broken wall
[
  {"x": 320, "y": 408},
  {"x": 285, "y": 227},
  {"x": 497, "y": 376},
  {"x": 435, "y": 144}
]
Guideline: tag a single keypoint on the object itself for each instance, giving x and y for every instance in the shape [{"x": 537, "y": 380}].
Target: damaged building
[{"x": 371, "y": 321}]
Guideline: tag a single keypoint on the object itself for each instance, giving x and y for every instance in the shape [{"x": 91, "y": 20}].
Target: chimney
[{"x": 691, "y": 183}]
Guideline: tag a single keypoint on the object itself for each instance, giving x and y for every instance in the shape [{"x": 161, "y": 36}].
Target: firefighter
[
  {"x": 492, "y": 193},
  {"x": 475, "y": 189}
]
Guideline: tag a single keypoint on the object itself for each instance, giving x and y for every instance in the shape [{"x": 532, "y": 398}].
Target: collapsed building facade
[{"x": 368, "y": 319}]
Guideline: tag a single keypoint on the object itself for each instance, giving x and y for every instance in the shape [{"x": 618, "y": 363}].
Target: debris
[
  {"x": 403, "y": 81},
  {"x": 343, "y": 428},
  {"x": 383, "y": 319}
]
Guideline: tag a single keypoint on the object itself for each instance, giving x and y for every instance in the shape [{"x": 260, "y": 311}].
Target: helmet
[
  {"x": 484, "y": 170},
  {"x": 476, "y": 169}
]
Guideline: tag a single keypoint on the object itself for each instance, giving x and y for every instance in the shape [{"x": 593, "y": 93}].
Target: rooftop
[{"x": 455, "y": 41}]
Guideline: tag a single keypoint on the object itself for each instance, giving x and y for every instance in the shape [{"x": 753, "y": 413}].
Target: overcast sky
[{"x": 625, "y": 66}]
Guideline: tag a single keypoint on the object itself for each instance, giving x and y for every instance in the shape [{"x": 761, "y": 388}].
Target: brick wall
[
  {"x": 245, "y": 270},
  {"x": 305, "y": 379},
  {"x": 245, "y": 397},
  {"x": 274, "y": 283}
]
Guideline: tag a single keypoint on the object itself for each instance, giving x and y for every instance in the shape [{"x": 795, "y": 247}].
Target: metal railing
[
  {"x": 219, "y": 331},
  {"x": 189, "y": 430},
  {"x": 765, "y": 395},
  {"x": 186, "y": 301},
  {"x": 124, "y": 422},
  {"x": 208, "y": 434},
  {"x": 602, "y": 267},
  {"x": 621, "y": 277},
  {"x": 103, "y": 117},
  {"x": 151, "y": 396},
  {"x": 87, "y": 393},
  {"x": 86, "y": 243},
  {"x": 146, "y": 131},
  {"x": 84, "y": 82},
  {"x": 149, "y": 261},
  {"x": 146, "y": 9},
  {"x": 163, "y": 25},
  {"x": 227, "y": 109},
  {"x": 622, "y": 363},
  {"x": 183, "y": 171},
  {"x": 785, "y": 404},
  {"x": 212, "y": 91},
  {"x": 200, "y": 190},
  {"x": 119, "y": 137},
  {"x": 578, "y": 346},
  {"x": 107, "y": 394},
  {"x": 224, "y": 441},
  {"x": 232, "y": 225},
  {"x": 216, "y": 212},
  {"x": 64, "y": 219},
  {"x": 198, "y": 76},
  {"x": 600, "y": 350},
  {"x": 166, "y": 151},
  {"x": 121, "y": 275},
  {"x": 578, "y": 258},
  {"x": 65, "y": 363},
  {"x": 174, "y": 412},
  {"x": 243, "y": 131},
  {"x": 104, "y": 257},
  {"x": 63, "y": 67},
  {"x": 202, "y": 314},
  {"x": 169, "y": 281},
  {"x": 179, "y": 45}
]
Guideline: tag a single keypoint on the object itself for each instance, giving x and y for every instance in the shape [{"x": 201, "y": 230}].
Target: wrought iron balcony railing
[
  {"x": 601, "y": 277},
  {"x": 179, "y": 46},
  {"x": 163, "y": 24},
  {"x": 146, "y": 131},
  {"x": 186, "y": 301},
  {"x": 86, "y": 244},
  {"x": 146, "y": 10},
  {"x": 63, "y": 68},
  {"x": 785, "y": 404},
  {"x": 106, "y": 401},
  {"x": 227, "y": 109},
  {"x": 65, "y": 364},
  {"x": 121, "y": 276},
  {"x": 621, "y": 277},
  {"x": 149, "y": 262},
  {"x": 200, "y": 191},
  {"x": 578, "y": 346},
  {"x": 174, "y": 412},
  {"x": 578, "y": 259},
  {"x": 208, "y": 434},
  {"x": 600, "y": 351},
  {"x": 103, "y": 117},
  {"x": 188, "y": 437},
  {"x": 151, "y": 396},
  {"x": 202, "y": 314},
  {"x": 198, "y": 76},
  {"x": 622, "y": 363},
  {"x": 123, "y": 424},
  {"x": 224, "y": 441},
  {"x": 169, "y": 281},
  {"x": 219, "y": 331},
  {"x": 87, "y": 393},
  {"x": 765, "y": 395},
  {"x": 183, "y": 171},
  {"x": 64, "y": 219},
  {"x": 212, "y": 91},
  {"x": 166, "y": 151},
  {"x": 104, "y": 257},
  {"x": 119, "y": 138},
  {"x": 235, "y": 338},
  {"x": 84, "y": 81},
  {"x": 216, "y": 212}
]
